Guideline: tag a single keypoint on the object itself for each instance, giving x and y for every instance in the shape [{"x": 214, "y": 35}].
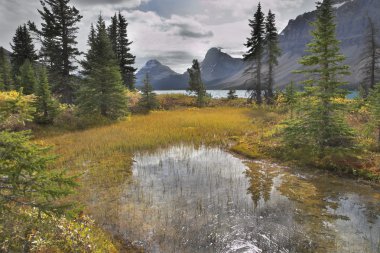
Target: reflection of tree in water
[
  {"x": 310, "y": 214},
  {"x": 260, "y": 182}
]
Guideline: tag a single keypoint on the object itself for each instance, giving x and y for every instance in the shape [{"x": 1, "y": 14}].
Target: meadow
[{"x": 102, "y": 155}]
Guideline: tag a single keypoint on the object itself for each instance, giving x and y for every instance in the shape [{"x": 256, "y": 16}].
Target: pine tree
[
  {"x": 6, "y": 82},
  {"x": 46, "y": 106},
  {"x": 27, "y": 80},
  {"x": 26, "y": 179},
  {"x": 255, "y": 45},
  {"x": 320, "y": 123},
  {"x": 113, "y": 33},
  {"x": 59, "y": 45},
  {"x": 273, "y": 51},
  {"x": 148, "y": 100},
  {"x": 375, "y": 110},
  {"x": 23, "y": 49},
  {"x": 196, "y": 83},
  {"x": 371, "y": 59},
  {"x": 126, "y": 59},
  {"x": 102, "y": 91}
]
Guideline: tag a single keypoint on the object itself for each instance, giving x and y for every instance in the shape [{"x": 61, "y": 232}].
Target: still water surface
[{"x": 188, "y": 199}]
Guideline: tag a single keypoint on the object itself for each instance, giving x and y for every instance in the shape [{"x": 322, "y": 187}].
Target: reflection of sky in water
[{"x": 185, "y": 199}]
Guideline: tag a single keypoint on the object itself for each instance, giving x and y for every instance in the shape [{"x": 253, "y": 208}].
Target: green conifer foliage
[
  {"x": 46, "y": 106},
  {"x": 27, "y": 80},
  {"x": 148, "y": 100},
  {"x": 6, "y": 82},
  {"x": 291, "y": 99},
  {"x": 59, "y": 46},
  {"x": 113, "y": 32},
  {"x": 126, "y": 59},
  {"x": 26, "y": 179},
  {"x": 255, "y": 45},
  {"x": 23, "y": 49},
  {"x": 196, "y": 84},
  {"x": 320, "y": 123},
  {"x": 102, "y": 91},
  {"x": 273, "y": 51}
]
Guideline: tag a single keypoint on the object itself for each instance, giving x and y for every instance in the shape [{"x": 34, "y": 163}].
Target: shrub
[{"x": 15, "y": 110}]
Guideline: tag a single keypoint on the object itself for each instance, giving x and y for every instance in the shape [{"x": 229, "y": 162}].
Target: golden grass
[{"x": 103, "y": 155}]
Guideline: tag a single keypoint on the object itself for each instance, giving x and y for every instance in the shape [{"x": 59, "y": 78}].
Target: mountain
[
  {"x": 156, "y": 71},
  {"x": 352, "y": 19},
  {"x": 221, "y": 71},
  {"x": 216, "y": 67}
]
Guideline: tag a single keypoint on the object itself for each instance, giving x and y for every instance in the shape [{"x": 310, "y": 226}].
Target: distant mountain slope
[
  {"x": 221, "y": 71},
  {"x": 216, "y": 67},
  {"x": 352, "y": 20},
  {"x": 156, "y": 71}
]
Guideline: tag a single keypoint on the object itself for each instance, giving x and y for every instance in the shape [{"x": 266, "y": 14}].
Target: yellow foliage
[{"x": 15, "y": 109}]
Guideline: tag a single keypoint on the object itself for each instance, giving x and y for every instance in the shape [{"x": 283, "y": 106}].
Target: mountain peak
[{"x": 153, "y": 63}]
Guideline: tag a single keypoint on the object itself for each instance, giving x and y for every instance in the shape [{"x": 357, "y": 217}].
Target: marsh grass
[{"x": 102, "y": 156}]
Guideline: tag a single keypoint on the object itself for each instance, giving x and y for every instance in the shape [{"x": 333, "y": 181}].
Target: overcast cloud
[{"x": 172, "y": 31}]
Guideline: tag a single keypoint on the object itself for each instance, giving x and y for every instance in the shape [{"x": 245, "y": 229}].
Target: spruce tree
[
  {"x": 126, "y": 59},
  {"x": 113, "y": 33},
  {"x": 26, "y": 177},
  {"x": 46, "y": 106},
  {"x": 255, "y": 45},
  {"x": 23, "y": 49},
  {"x": 371, "y": 59},
  {"x": 320, "y": 123},
  {"x": 148, "y": 100},
  {"x": 196, "y": 84},
  {"x": 102, "y": 91},
  {"x": 27, "y": 79},
  {"x": 6, "y": 82},
  {"x": 273, "y": 51},
  {"x": 59, "y": 45}
]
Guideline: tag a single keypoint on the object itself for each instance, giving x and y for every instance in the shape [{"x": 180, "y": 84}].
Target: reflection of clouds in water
[{"x": 185, "y": 198}]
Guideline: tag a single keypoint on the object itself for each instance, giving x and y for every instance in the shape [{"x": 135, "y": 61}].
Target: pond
[{"x": 199, "y": 199}]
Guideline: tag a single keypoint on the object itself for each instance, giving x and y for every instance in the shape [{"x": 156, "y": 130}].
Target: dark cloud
[{"x": 185, "y": 33}]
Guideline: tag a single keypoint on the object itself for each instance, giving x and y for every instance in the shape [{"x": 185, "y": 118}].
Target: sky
[{"x": 171, "y": 31}]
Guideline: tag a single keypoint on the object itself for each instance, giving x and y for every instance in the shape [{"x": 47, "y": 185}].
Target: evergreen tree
[
  {"x": 375, "y": 110},
  {"x": 148, "y": 100},
  {"x": 23, "y": 49},
  {"x": 320, "y": 123},
  {"x": 124, "y": 55},
  {"x": 46, "y": 106},
  {"x": 232, "y": 95},
  {"x": 59, "y": 45},
  {"x": 26, "y": 180},
  {"x": 196, "y": 83},
  {"x": 113, "y": 33},
  {"x": 6, "y": 82},
  {"x": 273, "y": 51},
  {"x": 371, "y": 59},
  {"x": 255, "y": 45},
  {"x": 27, "y": 80},
  {"x": 102, "y": 92},
  {"x": 290, "y": 95}
]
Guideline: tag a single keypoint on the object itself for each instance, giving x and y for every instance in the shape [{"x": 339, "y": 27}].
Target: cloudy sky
[{"x": 172, "y": 31}]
